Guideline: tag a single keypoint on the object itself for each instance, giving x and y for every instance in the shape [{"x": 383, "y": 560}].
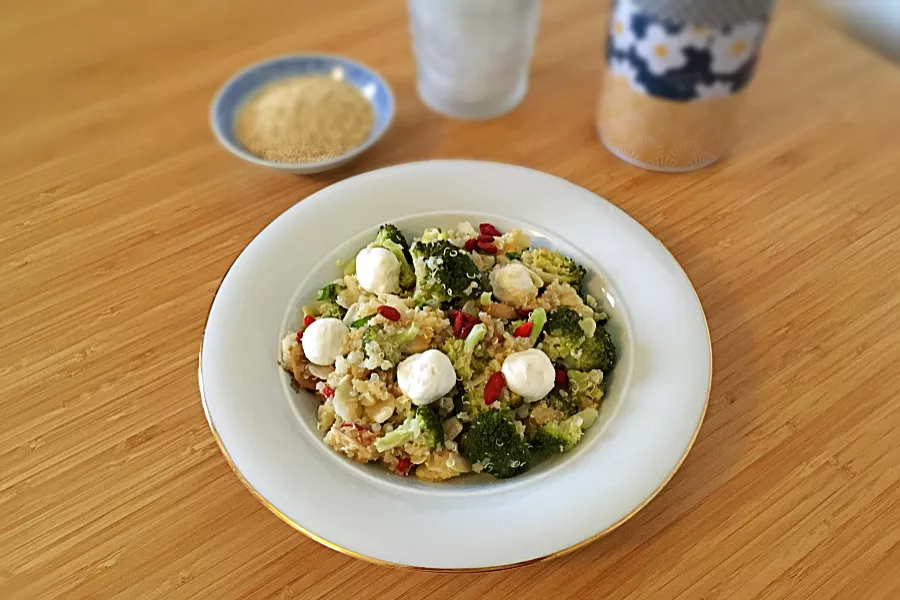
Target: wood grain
[{"x": 120, "y": 216}]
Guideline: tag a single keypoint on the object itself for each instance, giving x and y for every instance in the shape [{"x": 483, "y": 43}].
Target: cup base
[
  {"x": 474, "y": 111},
  {"x": 651, "y": 167}
]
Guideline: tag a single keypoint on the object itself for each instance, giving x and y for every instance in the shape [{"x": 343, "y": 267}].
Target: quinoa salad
[{"x": 466, "y": 350}]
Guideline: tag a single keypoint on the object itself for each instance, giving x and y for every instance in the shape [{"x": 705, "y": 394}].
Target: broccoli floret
[
  {"x": 390, "y": 238},
  {"x": 588, "y": 384},
  {"x": 597, "y": 352},
  {"x": 565, "y": 322},
  {"x": 494, "y": 442},
  {"x": 444, "y": 273},
  {"x": 461, "y": 351},
  {"x": 564, "y": 334},
  {"x": 393, "y": 344},
  {"x": 550, "y": 265},
  {"x": 326, "y": 302},
  {"x": 562, "y": 436},
  {"x": 424, "y": 425},
  {"x": 430, "y": 424},
  {"x": 563, "y": 402},
  {"x": 473, "y": 400},
  {"x": 331, "y": 309}
]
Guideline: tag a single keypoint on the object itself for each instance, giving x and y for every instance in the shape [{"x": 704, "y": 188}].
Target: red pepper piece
[
  {"x": 471, "y": 244},
  {"x": 486, "y": 239},
  {"x": 328, "y": 391},
  {"x": 308, "y": 320},
  {"x": 403, "y": 466}
]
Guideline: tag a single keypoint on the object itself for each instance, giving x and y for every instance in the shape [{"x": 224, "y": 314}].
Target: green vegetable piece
[
  {"x": 563, "y": 436},
  {"x": 493, "y": 441},
  {"x": 552, "y": 265},
  {"x": 392, "y": 344},
  {"x": 597, "y": 352},
  {"x": 563, "y": 402},
  {"x": 538, "y": 318},
  {"x": 329, "y": 292},
  {"x": 424, "y": 424},
  {"x": 461, "y": 352},
  {"x": 588, "y": 383},
  {"x": 390, "y": 238},
  {"x": 445, "y": 273},
  {"x": 362, "y": 321},
  {"x": 564, "y": 335},
  {"x": 475, "y": 336}
]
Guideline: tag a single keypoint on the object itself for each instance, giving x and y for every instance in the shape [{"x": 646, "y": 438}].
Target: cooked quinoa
[{"x": 483, "y": 299}]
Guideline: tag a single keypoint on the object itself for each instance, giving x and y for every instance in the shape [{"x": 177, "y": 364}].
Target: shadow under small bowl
[{"x": 246, "y": 83}]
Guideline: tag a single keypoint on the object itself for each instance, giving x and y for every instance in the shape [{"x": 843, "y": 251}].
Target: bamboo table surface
[{"x": 120, "y": 215}]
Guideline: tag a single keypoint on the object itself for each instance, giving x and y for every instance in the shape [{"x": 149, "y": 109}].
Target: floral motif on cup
[{"x": 681, "y": 61}]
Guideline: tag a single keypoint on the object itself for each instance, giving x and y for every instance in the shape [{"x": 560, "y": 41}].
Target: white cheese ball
[
  {"x": 287, "y": 344},
  {"x": 378, "y": 271},
  {"x": 512, "y": 283},
  {"x": 324, "y": 340},
  {"x": 529, "y": 373},
  {"x": 426, "y": 376}
]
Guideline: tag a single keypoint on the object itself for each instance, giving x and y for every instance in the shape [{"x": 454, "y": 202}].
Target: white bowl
[{"x": 649, "y": 418}]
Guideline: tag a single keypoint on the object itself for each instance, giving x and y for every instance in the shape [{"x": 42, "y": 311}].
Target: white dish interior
[{"x": 304, "y": 404}]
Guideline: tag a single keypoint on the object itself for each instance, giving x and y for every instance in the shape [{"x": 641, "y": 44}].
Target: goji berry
[
  {"x": 487, "y": 247},
  {"x": 561, "y": 379},
  {"x": 488, "y": 229},
  {"x": 388, "y": 312},
  {"x": 493, "y": 387},
  {"x": 458, "y": 322},
  {"x": 524, "y": 330},
  {"x": 308, "y": 320}
]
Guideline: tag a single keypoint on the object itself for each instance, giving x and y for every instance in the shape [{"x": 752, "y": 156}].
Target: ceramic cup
[
  {"x": 472, "y": 56},
  {"x": 674, "y": 80}
]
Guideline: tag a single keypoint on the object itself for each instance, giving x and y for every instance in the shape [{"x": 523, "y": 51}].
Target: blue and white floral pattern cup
[{"x": 675, "y": 70}]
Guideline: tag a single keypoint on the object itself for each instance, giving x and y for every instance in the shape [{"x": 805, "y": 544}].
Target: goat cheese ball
[
  {"x": 512, "y": 283},
  {"x": 529, "y": 373},
  {"x": 426, "y": 376},
  {"x": 324, "y": 340},
  {"x": 378, "y": 271}
]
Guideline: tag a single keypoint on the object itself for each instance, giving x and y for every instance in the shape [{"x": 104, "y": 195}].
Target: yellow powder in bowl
[{"x": 304, "y": 119}]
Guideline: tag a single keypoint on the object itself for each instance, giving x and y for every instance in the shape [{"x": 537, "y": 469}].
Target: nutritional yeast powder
[{"x": 304, "y": 119}]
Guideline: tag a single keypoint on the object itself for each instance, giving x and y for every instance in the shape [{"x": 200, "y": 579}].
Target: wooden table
[{"x": 120, "y": 215}]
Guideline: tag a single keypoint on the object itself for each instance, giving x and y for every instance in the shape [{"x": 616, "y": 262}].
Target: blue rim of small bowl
[{"x": 225, "y": 138}]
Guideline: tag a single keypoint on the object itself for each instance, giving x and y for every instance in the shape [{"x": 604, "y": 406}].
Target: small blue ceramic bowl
[{"x": 240, "y": 87}]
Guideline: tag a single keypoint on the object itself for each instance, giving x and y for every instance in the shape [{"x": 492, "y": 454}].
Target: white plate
[{"x": 648, "y": 422}]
